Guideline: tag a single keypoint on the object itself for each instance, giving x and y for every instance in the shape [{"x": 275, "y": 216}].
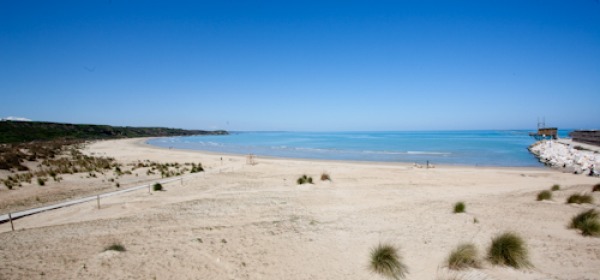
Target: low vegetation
[
  {"x": 115, "y": 247},
  {"x": 509, "y": 249},
  {"x": 464, "y": 256},
  {"x": 555, "y": 188},
  {"x": 325, "y": 176},
  {"x": 18, "y": 132},
  {"x": 544, "y": 195},
  {"x": 459, "y": 207},
  {"x": 580, "y": 198},
  {"x": 596, "y": 188},
  {"x": 304, "y": 180},
  {"x": 197, "y": 168},
  {"x": 157, "y": 187},
  {"x": 587, "y": 222},
  {"x": 386, "y": 261}
]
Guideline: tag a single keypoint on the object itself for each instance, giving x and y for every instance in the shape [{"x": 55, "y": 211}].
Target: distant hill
[{"x": 19, "y": 131}]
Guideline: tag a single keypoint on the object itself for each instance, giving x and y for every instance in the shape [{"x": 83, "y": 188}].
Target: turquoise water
[{"x": 476, "y": 148}]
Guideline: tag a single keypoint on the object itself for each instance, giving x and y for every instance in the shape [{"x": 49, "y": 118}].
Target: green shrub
[
  {"x": 544, "y": 195},
  {"x": 115, "y": 247},
  {"x": 509, "y": 249},
  {"x": 304, "y": 180},
  {"x": 580, "y": 198},
  {"x": 459, "y": 207},
  {"x": 157, "y": 187},
  {"x": 596, "y": 188},
  {"x": 386, "y": 261},
  {"x": 555, "y": 188},
  {"x": 41, "y": 181},
  {"x": 464, "y": 256},
  {"x": 587, "y": 222}
]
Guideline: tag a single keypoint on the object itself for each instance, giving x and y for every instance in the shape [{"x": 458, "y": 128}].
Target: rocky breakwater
[{"x": 567, "y": 155}]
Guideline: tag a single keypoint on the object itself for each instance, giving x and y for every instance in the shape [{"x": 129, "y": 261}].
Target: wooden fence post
[{"x": 11, "y": 222}]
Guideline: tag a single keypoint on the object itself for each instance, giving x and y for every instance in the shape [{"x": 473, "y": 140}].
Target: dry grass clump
[
  {"x": 555, "y": 187},
  {"x": 304, "y": 180},
  {"x": 509, "y": 249},
  {"x": 325, "y": 176},
  {"x": 544, "y": 195},
  {"x": 386, "y": 261},
  {"x": 459, "y": 207},
  {"x": 587, "y": 222},
  {"x": 464, "y": 256},
  {"x": 596, "y": 188},
  {"x": 580, "y": 198}
]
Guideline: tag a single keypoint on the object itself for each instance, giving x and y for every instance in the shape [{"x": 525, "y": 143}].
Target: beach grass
[
  {"x": 555, "y": 187},
  {"x": 386, "y": 261},
  {"x": 509, "y": 249},
  {"x": 580, "y": 198},
  {"x": 587, "y": 222},
  {"x": 304, "y": 180},
  {"x": 544, "y": 195},
  {"x": 325, "y": 176},
  {"x": 596, "y": 188},
  {"x": 115, "y": 247},
  {"x": 464, "y": 256},
  {"x": 459, "y": 207}
]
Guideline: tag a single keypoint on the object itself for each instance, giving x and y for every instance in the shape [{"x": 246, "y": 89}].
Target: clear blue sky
[{"x": 302, "y": 65}]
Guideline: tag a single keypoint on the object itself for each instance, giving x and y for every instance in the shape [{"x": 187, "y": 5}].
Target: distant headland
[{"x": 24, "y": 131}]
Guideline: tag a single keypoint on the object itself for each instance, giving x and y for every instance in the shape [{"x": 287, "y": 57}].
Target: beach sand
[{"x": 240, "y": 221}]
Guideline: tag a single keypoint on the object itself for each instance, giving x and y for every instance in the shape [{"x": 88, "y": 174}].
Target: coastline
[
  {"x": 143, "y": 143},
  {"x": 242, "y": 221}
]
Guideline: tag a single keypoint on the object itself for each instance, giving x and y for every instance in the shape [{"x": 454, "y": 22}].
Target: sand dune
[{"x": 239, "y": 221}]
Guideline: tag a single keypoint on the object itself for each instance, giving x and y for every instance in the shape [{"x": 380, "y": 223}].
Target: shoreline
[{"x": 143, "y": 143}]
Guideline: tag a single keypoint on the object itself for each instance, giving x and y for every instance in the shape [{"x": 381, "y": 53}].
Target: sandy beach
[{"x": 241, "y": 221}]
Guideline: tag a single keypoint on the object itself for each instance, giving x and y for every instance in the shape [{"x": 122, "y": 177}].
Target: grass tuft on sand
[
  {"x": 157, "y": 187},
  {"x": 386, "y": 261},
  {"x": 587, "y": 222},
  {"x": 544, "y": 195},
  {"x": 596, "y": 188},
  {"x": 115, "y": 247},
  {"x": 304, "y": 180},
  {"x": 555, "y": 187},
  {"x": 509, "y": 249},
  {"x": 459, "y": 207},
  {"x": 464, "y": 256},
  {"x": 580, "y": 198}
]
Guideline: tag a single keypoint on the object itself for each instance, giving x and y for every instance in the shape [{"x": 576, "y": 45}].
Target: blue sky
[{"x": 303, "y": 65}]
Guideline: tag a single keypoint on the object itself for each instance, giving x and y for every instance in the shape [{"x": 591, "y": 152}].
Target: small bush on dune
[
  {"x": 115, "y": 247},
  {"x": 464, "y": 256},
  {"x": 544, "y": 195},
  {"x": 459, "y": 207},
  {"x": 386, "y": 261},
  {"x": 580, "y": 198},
  {"x": 587, "y": 222},
  {"x": 509, "y": 249},
  {"x": 325, "y": 177},
  {"x": 596, "y": 188},
  {"x": 304, "y": 180},
  {"x": 555, "y": 188},
  {"x": 157, "y": 187}
]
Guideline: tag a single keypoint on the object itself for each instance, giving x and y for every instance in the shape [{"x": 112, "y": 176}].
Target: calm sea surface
[{"x": 481, "y": 148}]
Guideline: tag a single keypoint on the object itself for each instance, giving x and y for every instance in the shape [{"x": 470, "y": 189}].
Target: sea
[{"x": 471, "y": 148}]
